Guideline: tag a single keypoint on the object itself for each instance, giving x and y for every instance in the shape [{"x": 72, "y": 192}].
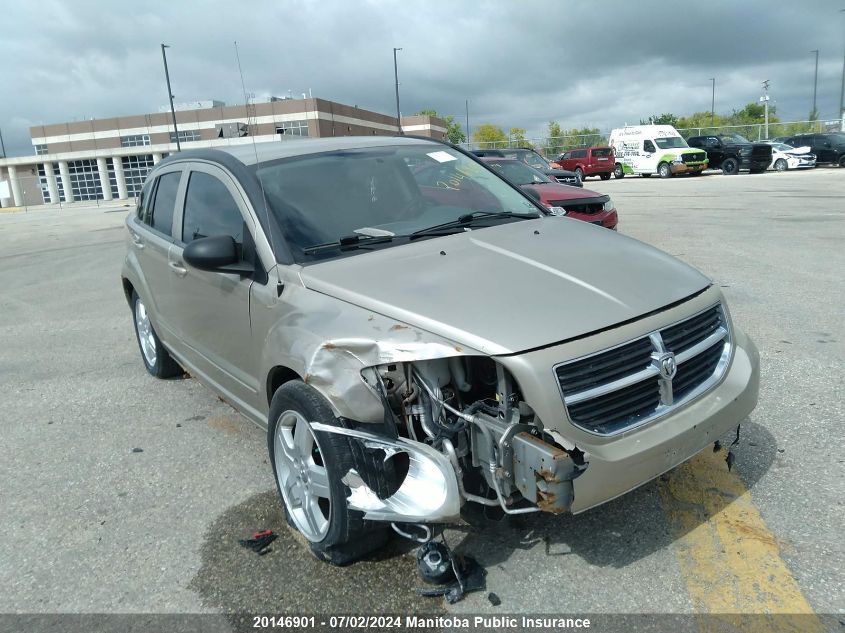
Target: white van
[{"x": 654, "y": 149}]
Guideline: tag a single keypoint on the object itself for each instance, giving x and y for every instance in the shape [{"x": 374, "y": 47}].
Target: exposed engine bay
[{"x": 456, "y": 430}]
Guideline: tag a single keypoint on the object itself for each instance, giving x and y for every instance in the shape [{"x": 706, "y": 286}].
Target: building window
[
  {"x": 85, "y": 179},
  {"x": 292, "y": 128},
  {"x": 187, "y": 136},
  {"x": 40, "y": 150},
  {"x": 135, "y": 170},
  {"x": 115, "y": 193},
  {"x": 45, "y": 188},
  {"x": 135, "y": 140}
]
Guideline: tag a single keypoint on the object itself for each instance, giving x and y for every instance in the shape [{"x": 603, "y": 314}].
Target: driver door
[{"x": 213, "y": 312}]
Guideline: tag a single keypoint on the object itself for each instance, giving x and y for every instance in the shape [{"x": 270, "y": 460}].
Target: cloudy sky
[{"x": 520, "y": 64}]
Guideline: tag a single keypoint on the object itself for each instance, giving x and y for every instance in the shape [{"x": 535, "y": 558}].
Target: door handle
[
  {"x": 137, "y": 241},
  {"x": 178, "y": 269}
]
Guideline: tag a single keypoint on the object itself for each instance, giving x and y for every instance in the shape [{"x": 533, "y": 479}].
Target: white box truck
[{"x": 654, "y": 149}]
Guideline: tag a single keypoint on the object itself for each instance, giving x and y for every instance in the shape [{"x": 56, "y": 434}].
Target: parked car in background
[
  {"x": 581, "y": 204},
  {"x": 787, "y": 157},
  {"x": 654, "y": 149},
  {"x": 535, "y": 160},
  {"x": 733, "y": 152},
  {"x": 413, "y": 347},
  {"x": 589, "y": 161},
  {"x": 829, "y": 147}
]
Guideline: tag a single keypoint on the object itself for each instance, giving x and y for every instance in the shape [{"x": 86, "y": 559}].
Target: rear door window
[
  {"x": 579, "y": 153},
  {"x": 165, "y": 202},
  {"x": 210, "y": 210}
]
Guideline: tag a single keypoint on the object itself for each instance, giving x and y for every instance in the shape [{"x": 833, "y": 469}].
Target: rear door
[
  {"x": 601, "y": 159},
  {"x": 152, "y": 238},
  {"x": 213, "y": 315},
  {"x": 823, "y": 148}
]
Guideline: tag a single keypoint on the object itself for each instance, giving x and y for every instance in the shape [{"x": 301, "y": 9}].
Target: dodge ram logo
[{"x": 667, "y": 366}]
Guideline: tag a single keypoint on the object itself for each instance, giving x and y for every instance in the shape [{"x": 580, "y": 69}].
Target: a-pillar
[
  {"x": 156, "y": 158},
  {"x": 52, "y": 187},
  {"x": 66, "y": 184},
  {"x": 105, "y": 183},
  {"x": 121, "y": 181},
  {"x": 17, "y": 196}
]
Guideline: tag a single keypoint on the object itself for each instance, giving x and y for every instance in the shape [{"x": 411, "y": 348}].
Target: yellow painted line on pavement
[{"x": 729, "y": 560}]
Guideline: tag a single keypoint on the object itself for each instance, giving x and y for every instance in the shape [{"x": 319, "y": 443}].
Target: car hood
[
  {"x": 553, "y": 191},
  {"x": 511, "y": 287}
]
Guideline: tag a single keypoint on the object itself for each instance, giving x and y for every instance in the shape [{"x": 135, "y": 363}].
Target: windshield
[
  {"x": 529, "y": 158},
  {"x": 670, "y": 142},
  {"x": 733, "y": 138},
  {"x": 518, "y": 172},
  {"x": 388, "y": 192}
]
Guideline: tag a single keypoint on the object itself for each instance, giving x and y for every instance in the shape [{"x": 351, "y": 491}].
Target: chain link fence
[{"x": 552, "y": 147}]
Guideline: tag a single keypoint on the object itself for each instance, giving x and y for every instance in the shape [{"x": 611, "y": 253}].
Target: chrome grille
[{"x": 621, "y": 388}]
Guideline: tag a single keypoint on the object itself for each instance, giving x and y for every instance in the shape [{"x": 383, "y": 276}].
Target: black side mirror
[{"x": 216, "y": 254}]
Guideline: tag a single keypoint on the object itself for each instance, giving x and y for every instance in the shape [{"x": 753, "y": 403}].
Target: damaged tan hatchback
[{"x": 417, "y": 334}]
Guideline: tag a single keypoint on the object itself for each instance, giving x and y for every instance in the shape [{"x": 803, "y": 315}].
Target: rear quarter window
[{"x": 602, "y": 153}]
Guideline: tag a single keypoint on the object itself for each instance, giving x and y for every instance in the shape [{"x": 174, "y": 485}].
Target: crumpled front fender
[{"x": 329, "y": 342}]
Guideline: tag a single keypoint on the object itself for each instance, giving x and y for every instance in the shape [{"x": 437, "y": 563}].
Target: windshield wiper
[
  {"x": 468, "y": 219},
  {"x": 348, "y": 242}
]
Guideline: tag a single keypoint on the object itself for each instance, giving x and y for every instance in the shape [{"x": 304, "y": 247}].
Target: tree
[
  {"x": 517, "y": 138},
  {"x": 454, "y": 131},
  {"x": 488, "y": 136},
  {"x": 554, "y": 142},
  {"x": 667, "y": 118}
]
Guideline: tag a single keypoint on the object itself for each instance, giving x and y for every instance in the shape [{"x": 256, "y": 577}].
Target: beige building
[{"x": 108, "y": 159}]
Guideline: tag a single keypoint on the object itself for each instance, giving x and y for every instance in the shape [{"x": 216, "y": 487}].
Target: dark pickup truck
[{"x": 732, "y": 152}]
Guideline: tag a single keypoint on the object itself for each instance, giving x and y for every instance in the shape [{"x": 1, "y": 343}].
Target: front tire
[
  {"x": 618, "y": 172},
  {"x": 580, "y": 173},
  {"x": 308, "y": 467},
  {"x": 842, "y": 160},
  {"x": 664, "y": 171},
  {"x": 730, "y": 167},
  {"x": 157, "y": 359}
]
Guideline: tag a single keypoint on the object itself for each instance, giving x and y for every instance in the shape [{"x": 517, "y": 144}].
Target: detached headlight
[{"x": 608, "y": 206}]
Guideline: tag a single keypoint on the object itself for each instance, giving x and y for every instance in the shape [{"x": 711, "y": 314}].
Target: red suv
[
  {"x": 590, "y": 161},
  {"x": 581, "y": 204}
]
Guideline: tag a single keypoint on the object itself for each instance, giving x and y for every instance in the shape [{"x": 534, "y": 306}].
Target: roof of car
[{"x": 252, "y": 153}]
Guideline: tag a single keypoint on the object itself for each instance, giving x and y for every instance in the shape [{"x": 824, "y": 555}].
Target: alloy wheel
[
  {"x": 302, "y": 475},
  {"x": 145, "y": 333}
]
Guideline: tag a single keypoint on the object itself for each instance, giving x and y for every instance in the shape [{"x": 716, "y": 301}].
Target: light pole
[
  {"x": 765, "y": 100},
  {"x": 713, "y": 103},
  {"x": 842, "y": 94},
  {"x": 170, "y": 96},
  {"x": 813, "y": 113},
  {"x": 396, "y": 77},
  {"x": 466, "y": 103}
]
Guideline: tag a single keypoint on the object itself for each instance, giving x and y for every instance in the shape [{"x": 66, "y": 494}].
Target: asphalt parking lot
[{"x": 89, "y": 524}]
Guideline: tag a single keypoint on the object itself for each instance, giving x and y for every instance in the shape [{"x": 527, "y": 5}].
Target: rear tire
[
  {"x": 664, "y": 171},
  {"x": 308, "y": 467},
  {"x": 618, "y": 172},
  {"x": 605, "y": 175},
  {"x": 730, "y": 167},
  {"x": 156, "y": 358},
  {"x": 842, "y": 160}
]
